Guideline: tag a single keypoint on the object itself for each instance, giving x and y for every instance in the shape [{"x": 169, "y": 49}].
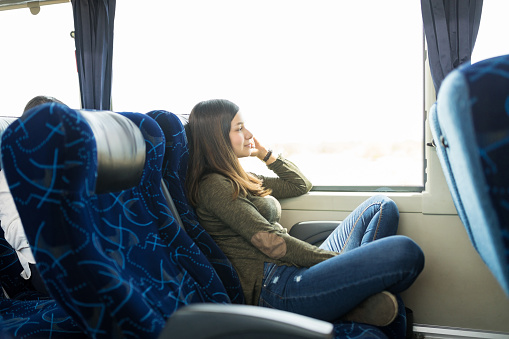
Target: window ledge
[{"x": 408, "y": 202}]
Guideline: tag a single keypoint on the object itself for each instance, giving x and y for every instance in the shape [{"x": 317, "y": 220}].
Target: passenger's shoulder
[
  {"x": 215, "y": 182},
  {"x": 214, "y": 177}
]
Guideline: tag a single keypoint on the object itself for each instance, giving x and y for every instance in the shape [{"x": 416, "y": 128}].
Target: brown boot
[{"x": 379, "y": 310}]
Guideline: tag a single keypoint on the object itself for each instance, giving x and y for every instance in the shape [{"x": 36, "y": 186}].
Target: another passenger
[
  {"x": 349, "y": 277},
  {"x": 11, "y": 223},
  {"x": 39, "y": 100}
]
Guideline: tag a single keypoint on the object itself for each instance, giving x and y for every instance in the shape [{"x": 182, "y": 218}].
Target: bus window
[
  {"x": 493, "y": 30},
  {"x": 333, "y": 85},
  {"x": 37, "y": 57}
]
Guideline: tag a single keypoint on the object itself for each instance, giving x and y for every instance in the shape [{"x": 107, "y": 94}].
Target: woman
[{"x": 349, "y": 277}]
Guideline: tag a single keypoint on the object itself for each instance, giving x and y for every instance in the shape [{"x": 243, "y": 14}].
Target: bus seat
[
  {"x": 313, "y": 232},
  {"x": 174, "y": 174},
  {"x": 13, "y": 285},
  {"x": 174, "y": 171},
  {"x": 25, "y": 312},
  {"x": 36, "y": 319},
  {"x": 470, "y": 127},
  {"x": 100, "y": 254}
]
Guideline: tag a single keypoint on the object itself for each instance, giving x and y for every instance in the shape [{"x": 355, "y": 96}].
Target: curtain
[
  {"x": 93, "y": 26},
  {"x": 451, "y": 28}
]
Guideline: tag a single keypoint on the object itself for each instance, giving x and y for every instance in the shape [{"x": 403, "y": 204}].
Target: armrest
[
  {"x": 201, "y": 321},
  {"x": 313, "y": 232}
]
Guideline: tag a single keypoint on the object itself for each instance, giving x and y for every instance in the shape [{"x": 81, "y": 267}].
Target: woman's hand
[
  {"x": 257, "y": 149},
  {"x": 261, "y": 152}
]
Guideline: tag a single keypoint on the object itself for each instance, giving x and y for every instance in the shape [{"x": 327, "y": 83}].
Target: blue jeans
[{"x": 364, "y": 267}]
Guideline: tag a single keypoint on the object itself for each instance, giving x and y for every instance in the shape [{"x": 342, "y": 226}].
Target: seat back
[
  {"x": 174, "y": 170},
  {"x": 13, "y": 285},
  {"x": 11, "y": 282},
  {"x": 24, "y": 312},
  {"x": 33, "y": 318},
  {"x": 470, "y": 125},
  {"x": 116, "y": 261}
]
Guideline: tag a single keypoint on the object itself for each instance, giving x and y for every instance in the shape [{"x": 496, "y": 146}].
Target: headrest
[
  {"x": 4, "y": 123},
  {"x": 120, "y": 150}
]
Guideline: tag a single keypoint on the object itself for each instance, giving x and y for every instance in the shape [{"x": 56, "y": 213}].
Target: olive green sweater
[{"x": 247, "y": 228}]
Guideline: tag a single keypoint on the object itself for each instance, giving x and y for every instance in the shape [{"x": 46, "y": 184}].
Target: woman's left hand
[
  {"x": 260, "y": 152},
  {"x": 258, "y": 149}
]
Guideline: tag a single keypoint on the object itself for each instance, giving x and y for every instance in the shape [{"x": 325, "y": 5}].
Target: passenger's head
[
  {"x": 209, "y": 125},
  {"x": 39, "y": 100},
  {"x": 211, "y": 150}
]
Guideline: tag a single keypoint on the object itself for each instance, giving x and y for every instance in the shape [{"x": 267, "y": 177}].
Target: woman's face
[{"x": 240, "y": 137}]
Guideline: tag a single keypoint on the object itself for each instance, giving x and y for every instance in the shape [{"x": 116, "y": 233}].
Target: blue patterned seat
[
  {"x": 470, "y": 126},
  {"x": 26, "y": 313},
  {"x": 113, "y": 257},
  {"x": 174, "y": 173},
  {"x": 12, "y": 283},
  {"x": 36, "y": 319}
]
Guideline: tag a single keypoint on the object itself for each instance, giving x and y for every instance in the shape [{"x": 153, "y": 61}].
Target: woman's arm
[
  {"x": 243, "y": 218},
  {"x": 289, "y": 183}
]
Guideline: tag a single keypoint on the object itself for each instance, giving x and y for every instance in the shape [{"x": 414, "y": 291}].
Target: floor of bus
[{"x": 437, "y": 332}]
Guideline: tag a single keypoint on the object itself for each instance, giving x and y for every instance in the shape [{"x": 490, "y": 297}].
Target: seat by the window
[
  {"x": 174, "y": 169},
  {"x": 470, "y": 127}
]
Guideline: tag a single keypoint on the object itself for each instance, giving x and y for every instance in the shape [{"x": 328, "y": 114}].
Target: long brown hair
[{"x": 211, "y": 150}]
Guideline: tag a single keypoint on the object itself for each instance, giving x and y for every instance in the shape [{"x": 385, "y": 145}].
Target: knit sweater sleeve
[
  {"x": 289, "y": 183},
  {"x": 242, "y": 217}
]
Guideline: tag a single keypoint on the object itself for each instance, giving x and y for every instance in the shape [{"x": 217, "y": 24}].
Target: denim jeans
[{"x": 372, "y": 259}]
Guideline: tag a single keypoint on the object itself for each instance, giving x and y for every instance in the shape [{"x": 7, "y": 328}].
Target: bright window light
[
  {"x": 38, "y": 57},
  {"x": 493, "y": 30},
  {"x": 333, "y": 85},
  {"x": 336, "y": 86}
]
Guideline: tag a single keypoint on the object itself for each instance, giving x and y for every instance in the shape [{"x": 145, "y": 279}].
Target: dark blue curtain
[
  {"x": 451, "y": 28},
  {"x": 93, "y": 26}
]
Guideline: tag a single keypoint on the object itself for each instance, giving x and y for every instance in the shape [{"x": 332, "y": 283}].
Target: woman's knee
[
  {"x": 387, "y": 204},
  {"x": 409, "y": 252},
  {"x": 388, "y": 214}
]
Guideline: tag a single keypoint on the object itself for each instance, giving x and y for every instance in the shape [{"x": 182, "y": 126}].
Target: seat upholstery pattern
[
  {"x": 174, "y": 173},
  {"x": 10, "y": 268},
  {"x": 36, "y": 319},
  {"x": 351, "y": 330},
  {"x": 470, "y": 124},
  {"x": 101, "y": 255},
  {"x": 26, "y": 313}
]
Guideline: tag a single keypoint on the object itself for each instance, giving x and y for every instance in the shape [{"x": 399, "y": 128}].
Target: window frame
[
  {"x": 434, "y": 198},
  {"x": 425, "y": 108}
]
